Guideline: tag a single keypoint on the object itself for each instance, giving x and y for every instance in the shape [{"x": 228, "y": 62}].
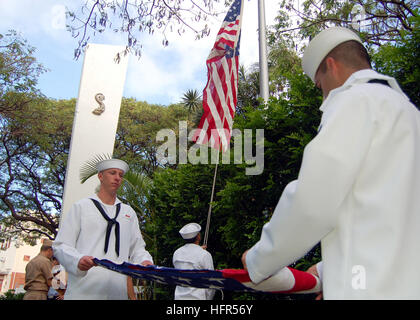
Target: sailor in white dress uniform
[
  {"x": 358, "y": 189},
  {"x": 192, "y": 256}
]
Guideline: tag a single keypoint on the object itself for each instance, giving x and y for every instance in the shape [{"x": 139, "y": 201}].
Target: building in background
[{"x": 14, "y": 256}]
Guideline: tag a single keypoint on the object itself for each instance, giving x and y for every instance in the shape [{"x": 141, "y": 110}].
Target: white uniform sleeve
[
  {"x": 64, "y": 245},
  {"x": 307, "y": 209},
  {"x": 319, "y": 269},
  {"x": 138, "y": 252},
  {"x": 207, "y": 262}
]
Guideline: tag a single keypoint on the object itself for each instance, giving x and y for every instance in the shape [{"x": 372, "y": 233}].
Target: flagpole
[
  {"x": 264, "y": 91},
  {"x": 206, "y": 234}
]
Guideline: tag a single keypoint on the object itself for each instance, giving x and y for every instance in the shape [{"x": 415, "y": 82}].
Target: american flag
[
  {"x": 220, "y": 93},
  {"x": 286, "y": 280}
]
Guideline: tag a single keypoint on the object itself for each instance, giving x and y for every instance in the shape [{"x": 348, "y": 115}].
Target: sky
[{"x": 160, "y": 76}]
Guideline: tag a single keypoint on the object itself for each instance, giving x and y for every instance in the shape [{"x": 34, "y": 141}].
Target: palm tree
[{"x": 192, "y": 100}]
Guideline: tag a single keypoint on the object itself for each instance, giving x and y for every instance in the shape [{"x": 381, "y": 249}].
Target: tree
[
  {"x": 191, "y": 100},
  {"x": 138, "y": 126},
  {"x": 34, "y": 146},
  {"x": 135, "y": 17},
  {"x": 402, "y": 61},
  {"x": 242, "y": 203},
  {"x": 28, "y": 194},
  {"x": 194, "y": 104},
  {"x": 248, "y": 88},
  {"x": 378, "y": 21},
  {"x": 19, "y": 72}
]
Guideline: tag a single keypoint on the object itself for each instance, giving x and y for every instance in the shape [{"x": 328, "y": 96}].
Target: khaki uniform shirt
[{"x": 38, "y": 271}]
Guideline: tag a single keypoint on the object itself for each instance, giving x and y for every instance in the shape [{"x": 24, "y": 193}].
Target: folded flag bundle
[{"x": 286, "y": 280}]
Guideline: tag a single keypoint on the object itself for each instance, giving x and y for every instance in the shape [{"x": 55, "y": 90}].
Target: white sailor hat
[
  {"x": 112, "y": 164},
  {"x": 190, "y": 230},
  {"x": 322, "y": 44}
]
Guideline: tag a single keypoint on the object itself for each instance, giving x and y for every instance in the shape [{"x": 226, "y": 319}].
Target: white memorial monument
[{"x": 96, "y": 117}]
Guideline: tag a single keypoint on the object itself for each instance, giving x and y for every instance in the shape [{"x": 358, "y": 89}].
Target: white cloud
[
  {"x": 161, "y": 75},
  {"x": 165, "y": 73}
]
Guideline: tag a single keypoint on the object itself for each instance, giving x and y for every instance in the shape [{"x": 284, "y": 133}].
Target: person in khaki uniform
[{"x": 38, "y": 273}]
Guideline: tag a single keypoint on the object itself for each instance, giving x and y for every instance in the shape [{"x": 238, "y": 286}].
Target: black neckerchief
[{"x": 111, "y": 222}]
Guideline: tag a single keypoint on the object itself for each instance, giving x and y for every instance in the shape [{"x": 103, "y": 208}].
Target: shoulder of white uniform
[{"x": 87, "y": 200}]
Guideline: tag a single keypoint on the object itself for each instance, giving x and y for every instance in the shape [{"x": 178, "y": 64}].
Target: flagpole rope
[{"x": 206, "y": 234}]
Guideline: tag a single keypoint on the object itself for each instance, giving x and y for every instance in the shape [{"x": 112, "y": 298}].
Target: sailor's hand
[
  {"x": 85, "y": 263},
  {"x": 313, "y": 270},
  {"x": 147, "y": 263},
  {"x": 244, "y": 259}
]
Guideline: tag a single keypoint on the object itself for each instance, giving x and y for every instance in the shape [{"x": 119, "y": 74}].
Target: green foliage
[
  {"x": 138, "y": 126},
  {"x": 88, "y": 169},
  {"x": 382, "y": 21},
  {"x": 11, "y": 295},
  {"x": 35, "y": 137},
  {"x": 192, "y": 100},
  {"x": 242, "y": 203},
  {"x": 19, "y": 70},
  {"x": 34, "y": 143},
  {"x": 34, "y": 146},
  {"x": 248, "y": 88},
  {"x": 402, "y": 61}
]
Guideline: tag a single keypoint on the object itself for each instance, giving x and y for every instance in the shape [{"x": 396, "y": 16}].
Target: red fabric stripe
[
  {"x": 240, "y": 275},
  {"x": 303, "y": 280},
  {"x": 230, "y": 25},
  {"x": 231, "y": 32},
  {"x": 235, "y": 84},
  {"x": 217, "y": 102},
  {"x": 233, "y": 103},
  {"x": 227, "y": 42}
]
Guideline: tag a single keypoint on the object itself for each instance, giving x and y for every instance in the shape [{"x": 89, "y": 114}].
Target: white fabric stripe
[
  {"x": 233, "y": 25},
  {"x": 219, "y": 88},
  {"x": 228, "y": 32},
  {"x": 212, "y": 141},
  {"x": 210, "y": 102},
  {"x": 229, "y": 92},
  {"x": 220, "y": 91},
  {"x": 213, "y": 109},
  {"x": 202, "y": 137},
  {"x": 227, "y": 37},
  {"x": 230, "y": 37},
  {"x": 283, "y": 280},
  {"x": 234, "y": 84}
]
